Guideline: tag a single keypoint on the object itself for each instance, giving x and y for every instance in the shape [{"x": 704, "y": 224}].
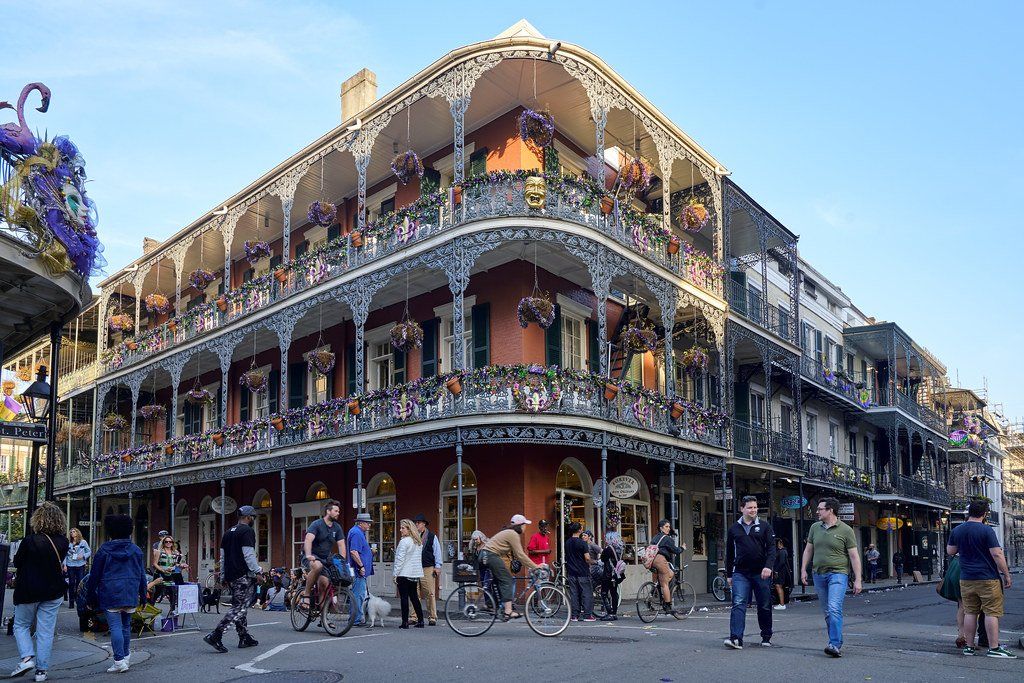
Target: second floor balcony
[
  {"x": 840, "y": 475},
  {"x": 755, "y": 442},
  {"x": 845, "y": 390}
]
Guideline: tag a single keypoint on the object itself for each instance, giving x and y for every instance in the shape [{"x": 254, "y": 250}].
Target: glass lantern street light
[{"x": 36, "y": 397}]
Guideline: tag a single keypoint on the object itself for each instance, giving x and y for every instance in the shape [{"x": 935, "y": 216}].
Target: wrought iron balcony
[
  {"x": 838, "y": 474},
  {"x": 913, "y": 488},
  {"x": 496, "y": 195},
  {"x": 898, "y": 399},
  {"x": 756, "y": 442},
  {"x": 79, "y": 377},
  {"x": 836, "y": 381},
  {"x": 535, "y": 391},
  {"x": 76, "y": 475},
  {"x": 14, "y": 495},
  {"x": 758, "y": 311}
]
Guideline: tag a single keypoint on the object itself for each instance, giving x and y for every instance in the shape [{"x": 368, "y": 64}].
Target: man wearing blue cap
[{"x": 240, "y": 571}]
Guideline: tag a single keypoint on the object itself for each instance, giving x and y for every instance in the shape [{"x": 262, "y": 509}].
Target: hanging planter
[
  {"x": 695, "y": 361},
  {"x": 635, "y": 176},
  {"x": 537, "y": 127},
  {"x": 157, "y": 303},
  {"x": 121, "y": 322},
  {"x": 407, "y": 335},
  {"x": 199, "y": 396},
  {"x": 153, "y": 411},
  {"x": 695, "y": 216},
  {"x": 406, "y": 166},
  {"x": 81, "y": 430},
  {"x": 536, "y": 309},
  {"x": 256, "y": 251},
  {"x": 321, "y": 362},
  {"x": 254, "y": 379},
  {"x": 61, "y": 437},
  {"x": 640, "y": 338},
  {"x": 353, "y": 407},
  {"x": 201, "y": 278},
  {"x": 322, "y": 213},
  {"x": 113, "y": 422},
  {"x": 454, "y": 385}
]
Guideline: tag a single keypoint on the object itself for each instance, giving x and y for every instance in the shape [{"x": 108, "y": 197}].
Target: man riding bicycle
[
  {"x": 506, "y": 544},
  {"x": 323, "y": 537}
]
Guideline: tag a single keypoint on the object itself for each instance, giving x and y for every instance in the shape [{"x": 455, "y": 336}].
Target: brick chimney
[
  {"x": 358, "y": 93},
  {"x": 149, "y": 244}
]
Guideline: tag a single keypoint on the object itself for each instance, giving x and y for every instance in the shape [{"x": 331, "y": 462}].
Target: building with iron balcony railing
[{"x": 531, "y": 417}]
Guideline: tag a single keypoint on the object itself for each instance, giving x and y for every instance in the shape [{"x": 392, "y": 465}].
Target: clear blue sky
[{"x": 887, "y": 135}]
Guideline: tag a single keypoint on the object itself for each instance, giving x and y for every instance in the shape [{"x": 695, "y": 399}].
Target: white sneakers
[
  {"x": 779, "y": 607},
  {"x": 40, "y": 676},
  {"x": 119, "y": 666},
  {"x": 23, "y": 666}
]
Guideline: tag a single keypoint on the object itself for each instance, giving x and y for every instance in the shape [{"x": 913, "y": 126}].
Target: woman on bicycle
[
  {"x": 663, "y": 562},
  {"x": 507, "y": 543}
]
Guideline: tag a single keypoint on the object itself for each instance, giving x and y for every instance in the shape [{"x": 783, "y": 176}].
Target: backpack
[{"x": 648, "y": 554}]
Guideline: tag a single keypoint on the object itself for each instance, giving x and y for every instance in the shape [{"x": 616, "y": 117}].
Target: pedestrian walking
[
  {"x": 612, "y": 574},
  {"x": 539, "y": 547},
  {"x": 408, "y": 570},
  {"x": 117, "y": 585},
  {"x": 897, "y": 565},
  {"x": 240, "y": 571},
  {"x": 949, "y": 588},
  {"x": 782, "y": 574},
  {"x": 577, "y": 574},
  {"x": 871, "y": 556},
  {"x": 76, "y": 560},
  {"x": 39, "y": 588},
  {"x": 360, "y": 558},
  {"x": 833, "y": 547},
  {"x": 983, "y": 576},
  {"x": 750, "y": 554},
  {"x": 433, "y": 561}
]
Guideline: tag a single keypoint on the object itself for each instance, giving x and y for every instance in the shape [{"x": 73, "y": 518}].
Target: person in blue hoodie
[{"x": 117, "y": 585}]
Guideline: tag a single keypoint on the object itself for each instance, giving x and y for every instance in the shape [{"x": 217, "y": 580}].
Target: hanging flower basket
[
  {"x": 199, "y": 396},
  {"x": 153, "y": 411},
  {"x": 406, "y": 166},
  {"x": 201, "y": 278},
  {"x": 695, "y": 361},
  {"x": 407, "y": 335},
  {"x": 121, "y": 322},
  {"x": 536, "y": 309},
  {"x": 640, "y": 338},
  {"x": 255, "y": 380},
  {"x": 321, "y": 362},
  {"x": 537, "y": 127},
  {"x": 695, "y": 216},
  {"x": 81, "y": 430},
  {"x": 635, "y": 176},
  {"x": 157, "y": 303},
  {"x": 256, "y": 251},
  {"x": 113, "y": 422},
  {"x": 322, "y": 213},
  {"x": 61, "y": 437}
]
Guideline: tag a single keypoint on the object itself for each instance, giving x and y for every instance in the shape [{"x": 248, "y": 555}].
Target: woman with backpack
[
  {"x": 664, "y": 550},
  {"x": 117, "y": 585},
  {"x": 613, "y": 571}
]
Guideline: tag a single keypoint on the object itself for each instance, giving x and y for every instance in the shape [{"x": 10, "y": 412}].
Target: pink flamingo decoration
[{"x": 16, "y": 138}]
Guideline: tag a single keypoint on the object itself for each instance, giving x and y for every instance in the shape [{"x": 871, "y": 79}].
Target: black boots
[
  {"x": 247, "y": 641},
  {"x": 213, "y": 640}
]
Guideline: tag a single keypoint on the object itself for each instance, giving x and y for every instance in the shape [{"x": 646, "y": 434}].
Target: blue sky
[{"x": 887, "y": 135}]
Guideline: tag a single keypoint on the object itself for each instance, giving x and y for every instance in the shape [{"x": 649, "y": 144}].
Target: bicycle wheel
[
  {"x": 339, "y": 612},
  {"x": 547, "y": 611},
  {"x": 718, "y": 588},
  {"x": 684, "y": 599},
  {"x": 599, "y": 611},
  {"x": 470, "y": 610},
  {"x": 301, "y": 615},
  {"x": 648, "y": 602}
]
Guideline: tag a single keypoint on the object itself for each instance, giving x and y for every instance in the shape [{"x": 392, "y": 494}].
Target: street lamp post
[{"x": 37, "y": 401}]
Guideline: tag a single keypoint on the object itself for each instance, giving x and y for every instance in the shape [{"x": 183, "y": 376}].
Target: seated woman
[{"x": 167, "y": 568}]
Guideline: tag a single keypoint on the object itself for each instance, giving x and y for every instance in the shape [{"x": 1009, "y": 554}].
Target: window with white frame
[
  {"x": 812, "y": 432},
  {"x": 211, "y": 418},
  {"x": 317, "y": 385},
  {"x": 374, "y": 201},
  {"x": 756, "y": 409},
  {"x": 264, "y": 505},
  {"x": 786, "y": 419},
  {"x": 316, "y": 237},
  {"x": 448, "y": 333},
  {"x": 380, "y": 358},
  {"x": 259, "y": 405},
  {"x": 574, "y": 333},
  {"x": 833, "y": 440}
]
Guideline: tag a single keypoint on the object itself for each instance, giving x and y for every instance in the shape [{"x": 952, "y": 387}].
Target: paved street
[{"x": 901, "y": 635}]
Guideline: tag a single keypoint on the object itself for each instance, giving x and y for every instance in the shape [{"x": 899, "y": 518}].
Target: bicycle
[
  {"x": 684, "y": 597},
  {"x": 720, "y": 587},
  {"x": 471, "y": 609},
  {"x": 335, "y": 609}
]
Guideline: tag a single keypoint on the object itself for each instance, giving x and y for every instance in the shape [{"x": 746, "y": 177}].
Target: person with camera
[{"x": 240, "y": 571}]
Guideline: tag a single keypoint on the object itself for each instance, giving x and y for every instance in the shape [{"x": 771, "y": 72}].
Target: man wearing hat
[
  {"x": 240, "y": 571},
  {"x": 360, "y": 558},
  {"x": 507, "y": 544},
  {"x": 432, "y": 560}
]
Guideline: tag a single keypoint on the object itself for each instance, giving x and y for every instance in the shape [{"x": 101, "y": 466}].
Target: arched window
[
  {"x": 573, "y": 493},
  {"x": 264, "y": 505},
  {"x": 634, "y": 519},
  {"x": 450, "y": 511},
  {"x": 380, "y": 503},
  {"x": 317, "y": 491}
]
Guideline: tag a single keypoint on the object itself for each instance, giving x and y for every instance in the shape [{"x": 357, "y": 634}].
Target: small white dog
[{"x": 376, "y": 608}]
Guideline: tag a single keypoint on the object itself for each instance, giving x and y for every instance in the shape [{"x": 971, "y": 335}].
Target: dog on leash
[
  {"x": 210, "y": 598},
  {"x": 376, "y": 608}
]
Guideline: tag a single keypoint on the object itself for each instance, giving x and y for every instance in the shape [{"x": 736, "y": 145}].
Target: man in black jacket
[{"x": 749, "y": 559}]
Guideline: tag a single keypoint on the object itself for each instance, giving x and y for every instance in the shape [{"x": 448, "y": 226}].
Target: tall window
[
  {"x": 833, "y": 440},
  {"x": 448, "y": 340},
  {"x": 757, "y": 409},
  {"x": 635, "y": 521},
  {"x": 264, "y": 505},
  {"x": 783, "y": 322},
  {"x": 812, "y": 433},
  {"x": 319, "y": 386},
  {"x": 381, "y": 505},
  {"x": 851, "y": 445},
  {"x": 786, "y": 419},
  {"x": 450, "y": 511},
  {"x": 381, "y": 365},
  {"x": 574, "y": 342},
  {"x": 259, "y": 405}
]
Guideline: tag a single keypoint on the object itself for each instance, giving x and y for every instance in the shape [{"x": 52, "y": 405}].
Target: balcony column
[
  {"x": 362, "y": 161},
  {"x": 286, "y": 230},
  {"x": 284, "y": 189},
  {"x": 767, "y": 418},
  {"x": 97, "y": 414},
  {"x": 102, "y": 327},
  {"x": 284, "y": 325},
  {"x": 600, "y": 115},
  {"x": 668, "y": 300},
  {"x": 224, "y": 353},
  {"x": 178, "y": 256},
  {"x": 227, "y": 233},
  {"x": 360, "y": 311},
  {"x": 600, "y": 282},
  {"x": 135, "y": 383},
  {"x": 458, "y": 107},
  {"x": 666, "y": 195},
  {"x": 175, "y": 368}
]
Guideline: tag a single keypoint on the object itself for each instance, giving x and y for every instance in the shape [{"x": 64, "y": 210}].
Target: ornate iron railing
[
  {"x": 79, "y": 377},
  {"x": 760, "y": 312},
  {"x": 755, "y": 442},
  {"x": 841, "y": 383},
  {"x": 838, "y": 474},
  {"x": 913, "y": 488}
]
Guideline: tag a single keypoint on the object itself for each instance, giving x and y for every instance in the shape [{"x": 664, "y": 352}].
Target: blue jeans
[
  {"x": 359, "y": 593},
  {"x": 742, "y": 586},
  {"x": 120, "y": 633},
  {"x": 44, "y": 614},
  {"x": 831, "y": 590}
]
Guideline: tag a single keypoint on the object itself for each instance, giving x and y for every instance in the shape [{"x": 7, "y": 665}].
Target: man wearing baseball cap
[
  {"x": 507, "y": 543},
  {"x": 240, "y": 570}
]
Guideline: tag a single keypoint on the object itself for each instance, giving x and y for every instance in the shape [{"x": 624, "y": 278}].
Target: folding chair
[{"x": 143, "y": 618}]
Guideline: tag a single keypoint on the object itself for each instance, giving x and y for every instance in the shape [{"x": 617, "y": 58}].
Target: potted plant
[
  {"x": 322, "y": 213},
  {"x": 281, "y": 274},
  {"x": 120, "y": 322},
  {"x": 407, "y": 165},
  {"x": 635, "y": 176},
  {"x": 454, "y": 385},
  {"x": 169, "y": 449},
  {"x": 536, "y": 308},
  {"x": 172, "y": 325},
  {"x": 198, "y": 395},
  {"x": 81, "y": 430},
  {"x": 607, "y": 204},
  {"x": 677, "y": 410},
  {"x": 610, "y": 391},
  {"x": 456, "y": 195},
  {"x": 673, "y": 245},
  {"x": 131, "y": 344},
  {"x": 127, "y": 458},
  {"x": 357, "y": 239},
  {"x": 217, "y": 438},
  {"x": 640, "y": 337},
  {"x": 222, "y": 303},
  {"x": 256, "y": 251},
  {"x": 278, "y": 423},
  {"x": 353, "y": 406},
  {"x": 695, "y": 361},
  {"x": 407, "y": 335}
]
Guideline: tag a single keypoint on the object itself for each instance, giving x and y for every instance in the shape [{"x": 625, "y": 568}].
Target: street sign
[
  {"x": 599, "y": 493},
  {"x": 846, "y": 512},
  {"x": 223, "y": 505},
  {"x": 358, "y": 496},
  {"x": 623, "y": 486},
  {"x": 719, "y": 496},
  {"x": 28, "y": 431}
]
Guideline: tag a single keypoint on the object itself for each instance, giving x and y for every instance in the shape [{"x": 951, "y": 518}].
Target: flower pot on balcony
[
  {"x": 131, "y": 345},
  {"x": 673, "y": 245},
  {"x": 127, "y": 458},
  {"x": 353, "y": 407},
  {"x": 222, "y": 303},
  {"x": 281, "y": 275},
  {"x": 218, "y": 438},
  {"x": 607, "y": 204},
  {"x": 278, "y": 423},
  {"x": 169, "y": 449},
  {"x": 610, "y": 391},
  {"x": 172, "y": 325},
  {"x": 677, "y": 410},
  {"x": 454, "y": 385},
  {"x": 357, "y": 239},
  {"x": 456, "y": 194}
]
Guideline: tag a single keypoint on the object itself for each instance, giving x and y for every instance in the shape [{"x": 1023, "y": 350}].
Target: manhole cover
[
  {"x": 292, "y": 677},
  {"x": 598, "y": 639}
]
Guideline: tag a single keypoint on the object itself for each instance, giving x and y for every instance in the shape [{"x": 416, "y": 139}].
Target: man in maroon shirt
[{"x": 539, "y": 547}]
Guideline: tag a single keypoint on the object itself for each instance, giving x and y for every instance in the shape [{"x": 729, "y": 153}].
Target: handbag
[{"x": 63, "y": 569}]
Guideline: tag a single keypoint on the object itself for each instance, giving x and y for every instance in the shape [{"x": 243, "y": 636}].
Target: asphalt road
[{"x": 901, "y": 635}]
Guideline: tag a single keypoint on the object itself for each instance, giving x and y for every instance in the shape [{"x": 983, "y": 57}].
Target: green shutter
[
  {"x": 275, "y": 261},
  {"x": 593, "y": 346},
  {"x": 244, "y": 397},
  {"x": 738, "y": 291},
  {"x": 481, "y": 335},
  {"x": 274, "y": 387},
  {"x": 551, "y": 161},
  {"x": 400, "y": 359},
  {"x": 350, "y": 368},
  {"x": 301, "y": 248},
  {"x": 428, "y": 367},
  {"x": 478, "y": 163},
  {"x": 296, "y": 385},
  {"x": 333, "y": 232},
  {"x": 430, "y": 182},
  {"x": 553, "y": 339}
]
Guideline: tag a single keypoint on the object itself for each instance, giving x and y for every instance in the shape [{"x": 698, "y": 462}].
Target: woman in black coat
[{"x": 782, "y": 574}]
